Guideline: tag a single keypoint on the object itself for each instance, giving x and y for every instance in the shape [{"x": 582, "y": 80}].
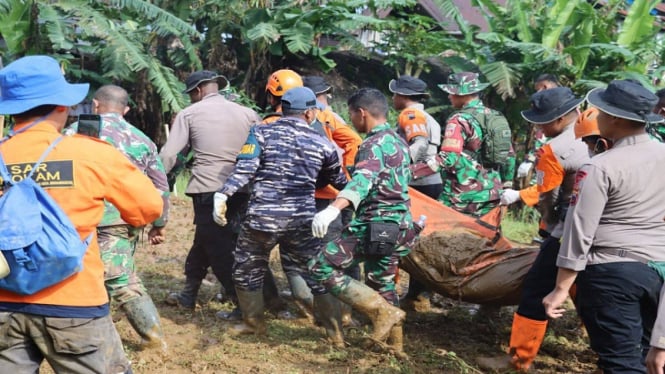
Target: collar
[
  {"x": 631, "y": 140},
  {"x": 210, "y": 95},
  {"x": 419, "y": 106},
  {"x": 378, "y": 128},
  {"x": 296, "y": 120},
  {"x": 43, "y": 126},
  {"x": 475, "y": 103},
  {"x": 114, "y": 115}
]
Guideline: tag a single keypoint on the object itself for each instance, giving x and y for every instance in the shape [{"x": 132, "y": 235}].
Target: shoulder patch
[
  {"x": 251, "y": 149},
  {"x": 579, "y": 177},
  {"x": 49, "y": 174},
  {"x": 413, "y": 123}
]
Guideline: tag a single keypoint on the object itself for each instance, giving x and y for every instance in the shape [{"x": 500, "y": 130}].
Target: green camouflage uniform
[
  {"x": 656, "y": 131},
  {"x": 467, "y": 186},
  {"x": 379, "y": 192},
  {"x": 117, "y": 240}
]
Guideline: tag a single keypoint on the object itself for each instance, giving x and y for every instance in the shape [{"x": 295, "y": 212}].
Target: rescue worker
[
  {"x": 331, "y": 125},
  {"x": 68, "y": 323},
  {"x": 215, "y": 140},
  {"x": 381, "y": 231},
  {"x": 586, "y": 129},
  {"x": 284, "y": 162},
  {"x": 612, "y": 245},
  {"x": 468, "y": 187},
  {"x": 542, "y": 82},
  {"x": 423, "y": 134},
  {"x": 278, "y": 83},
  {"x": 555, "y": 111},
  {"x": 545, "y": 82},
  {"x": 118, "y": 240}
]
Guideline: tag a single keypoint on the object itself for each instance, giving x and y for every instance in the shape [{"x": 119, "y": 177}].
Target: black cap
[
  {"x": 626, "y": 99},
  {"x": 316, "y": 84},
  {"x": 548, "y": 105},
  {"x": 201, "y": 76},
  {"x": 407, "y": 85}
]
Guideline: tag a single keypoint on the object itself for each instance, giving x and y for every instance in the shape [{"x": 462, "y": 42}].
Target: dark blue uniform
[{"x": 284, "y": 163}]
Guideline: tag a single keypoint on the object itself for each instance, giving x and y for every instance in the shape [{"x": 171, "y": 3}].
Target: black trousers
[
  {"x": 214, "y": 245},
  {"x": 618, "y": 303},
  {"x": 540, "y": 281}
]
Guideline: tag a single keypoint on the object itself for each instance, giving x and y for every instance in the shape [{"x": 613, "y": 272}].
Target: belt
[{"x": 622, "y": 253}]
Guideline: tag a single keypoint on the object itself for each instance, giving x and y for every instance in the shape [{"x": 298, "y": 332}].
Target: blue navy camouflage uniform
[{"x": 284, "y": 163}]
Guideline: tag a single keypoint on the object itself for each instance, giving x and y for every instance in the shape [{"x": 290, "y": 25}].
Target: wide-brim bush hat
[
  {"x": 548, "y": 105},
  {"x": 626, "y": 99},
  {"x": 316, "y": 84},
  {"x": 407, "y": 85},
  {"x": 465, "y": 83},
  {"x": 198, "y": 77},
  {"x": 33, "y": 81}
]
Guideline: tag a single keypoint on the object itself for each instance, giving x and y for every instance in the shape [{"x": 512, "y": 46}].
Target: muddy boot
[
  {"x": 526, "y": 336},
  {"x": 144, "y": 318},
  {"x": 273, "y": 302},
  {"x": 326, "y": 308},
  {"x": 347, "y": 316},
  {"x": 251, "y": 305},
  {"x": 396, "y": 342},
  {"x": 367, "y": 301},
  {"x": 187, "y": 297},
  {"x": 234, "y": 315},
  {"x": 417, "y": 303},
  {"x": 302, "y": 296}
]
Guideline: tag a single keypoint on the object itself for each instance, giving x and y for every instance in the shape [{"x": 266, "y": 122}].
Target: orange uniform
[
  {"x": 80, "y": 173},
  {"x": 345, "y": 138}
]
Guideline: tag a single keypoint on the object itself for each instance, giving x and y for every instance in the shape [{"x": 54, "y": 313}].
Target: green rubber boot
[{"x": 144, "y": 318}]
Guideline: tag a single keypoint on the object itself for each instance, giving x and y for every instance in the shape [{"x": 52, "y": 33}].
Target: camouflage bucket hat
[{"x": 465, "y": 83}]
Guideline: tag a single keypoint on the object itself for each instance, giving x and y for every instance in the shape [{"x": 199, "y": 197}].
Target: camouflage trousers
[
  {"x": 252, "y": 255},
  {"x": 328, "y": 267},
  {"x": 117, "y": 245}
]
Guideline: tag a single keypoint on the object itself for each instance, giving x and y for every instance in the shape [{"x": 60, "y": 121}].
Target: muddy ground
[{"x": 448, "y": 339}]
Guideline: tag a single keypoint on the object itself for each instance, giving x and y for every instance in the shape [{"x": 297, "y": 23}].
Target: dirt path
[{"x": 446, "y": 340}]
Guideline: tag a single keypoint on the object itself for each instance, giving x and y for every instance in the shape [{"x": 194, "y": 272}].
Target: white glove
[
  {"x": 433, "y": 164},
  {"x": 322, "y": 220},
  {"x": 219, "y": 209},
  {"x": 509, "y": 196},
  {"x": 524, "y": 168}
]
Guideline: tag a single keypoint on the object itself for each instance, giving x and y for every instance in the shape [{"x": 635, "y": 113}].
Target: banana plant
[{"x": 114, "y": 41}]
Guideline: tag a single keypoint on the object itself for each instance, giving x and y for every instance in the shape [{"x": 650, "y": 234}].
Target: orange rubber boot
[{"x": 525, "y": 339}]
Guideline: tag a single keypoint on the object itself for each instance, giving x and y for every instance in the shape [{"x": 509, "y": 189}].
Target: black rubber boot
[{"x": 187, "y": 297}]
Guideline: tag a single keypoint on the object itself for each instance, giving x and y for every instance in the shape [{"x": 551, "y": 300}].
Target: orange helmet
[
  {"x": 587, "y": 123},
  {"x": 282, "y": 81}
]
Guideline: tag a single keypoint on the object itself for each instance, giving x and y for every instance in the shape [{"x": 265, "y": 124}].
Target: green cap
[{"x": 465, "y": 83}]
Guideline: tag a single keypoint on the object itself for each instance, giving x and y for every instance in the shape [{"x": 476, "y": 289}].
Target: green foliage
[
  {"x": 639, "y": 24},
  {"x": 521, "y": 225}
]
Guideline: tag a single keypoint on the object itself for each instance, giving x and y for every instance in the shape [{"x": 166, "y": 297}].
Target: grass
[
  {"x": 181, "y": 184},
  {"x": 521, "y": 226}
]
